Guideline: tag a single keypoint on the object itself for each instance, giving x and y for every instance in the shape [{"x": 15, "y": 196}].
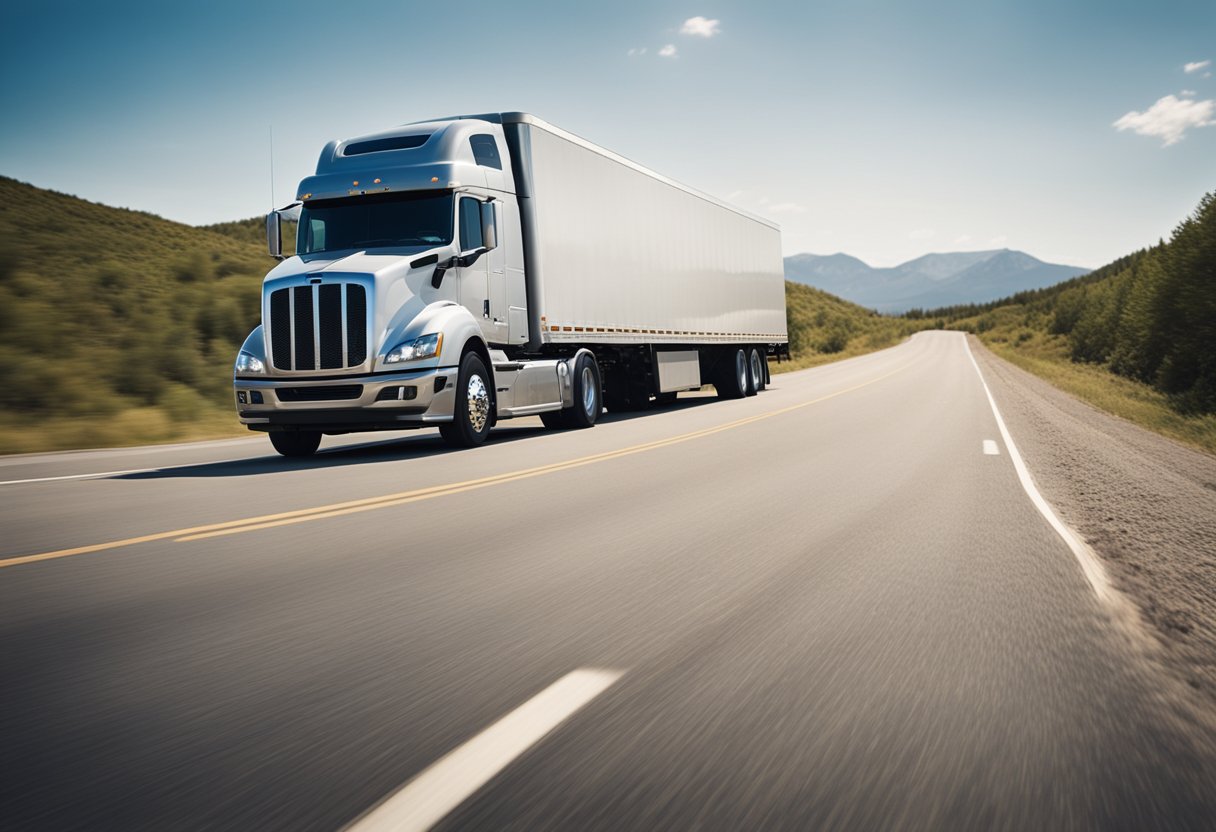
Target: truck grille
[{"x": 311, "y": 329}]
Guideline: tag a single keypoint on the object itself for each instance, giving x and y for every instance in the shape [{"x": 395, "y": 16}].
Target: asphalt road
[{"x": 825, "y": 607}]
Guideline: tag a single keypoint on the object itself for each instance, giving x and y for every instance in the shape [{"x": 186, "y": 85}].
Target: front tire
[
  {"x": 296, "y": 442},
  {"x": 473, "y": 415}
]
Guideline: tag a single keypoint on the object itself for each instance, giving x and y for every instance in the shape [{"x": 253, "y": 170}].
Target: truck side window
[
  {"x": 470, "y": 224},
  {"x": 485, "y": 151}
]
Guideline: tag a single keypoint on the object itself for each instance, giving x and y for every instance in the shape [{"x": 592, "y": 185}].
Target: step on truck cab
[{"x": 466, "y": 270}]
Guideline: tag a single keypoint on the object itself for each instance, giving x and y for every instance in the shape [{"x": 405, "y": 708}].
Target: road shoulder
[{"x": 1146, "y": 504}]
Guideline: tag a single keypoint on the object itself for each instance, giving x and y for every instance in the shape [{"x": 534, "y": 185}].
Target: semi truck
[{"x": 467, "y": 270}]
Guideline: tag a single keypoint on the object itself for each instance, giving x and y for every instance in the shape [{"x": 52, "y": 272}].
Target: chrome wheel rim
[
  {"x": 741, "y": 369},
  {"x": 757, "y": 372},
  {"x": 589, "y": 392},
  {"x": 477, "y": 399}
]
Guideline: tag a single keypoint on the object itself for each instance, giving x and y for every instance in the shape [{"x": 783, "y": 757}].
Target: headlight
[
  {"x": 247, "y": 363},
  {"x": 427, "y": 346}
]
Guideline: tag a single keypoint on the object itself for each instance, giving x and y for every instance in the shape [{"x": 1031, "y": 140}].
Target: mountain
[{"x": 931, "y": 281}]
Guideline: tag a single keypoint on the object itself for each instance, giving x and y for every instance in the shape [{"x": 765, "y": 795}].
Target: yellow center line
[{"x": 269, "y": 521}]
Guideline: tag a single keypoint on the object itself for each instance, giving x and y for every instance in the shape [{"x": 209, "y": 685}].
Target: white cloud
[
  {"x": 1169, "y": 119},
  {"x": 998, "y": 240},
  {"x": 668, "y": 51},
  {"x": 786, "y": 208},
  {"x": 1188, "y": 93},
  {"x": 700, "y": 27},
  {"x": 921, "y": 234},
  {"x": 963, "y": 238},
  {"x": 1188, "y": 68},
  {"x": 633, "y": 52}
]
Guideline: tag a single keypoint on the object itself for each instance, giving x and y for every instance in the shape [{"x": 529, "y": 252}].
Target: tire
[
  {"x": 473, "y": 414},
  {"x": 588, "y": 398},
  {"x": 296, "y": 442},
  {"x": 755, "y": 371},
  {"x": 732, "y": 380},
  {"x": 664, "y": 399}
]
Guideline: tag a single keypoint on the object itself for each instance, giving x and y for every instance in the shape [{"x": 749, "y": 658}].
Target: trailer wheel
[
  {"x": 472, "y": 416},
  {"x": 296, "y": 442},
  {"x": 732, "y": 381},
  {"x": 756, "y": 371}
]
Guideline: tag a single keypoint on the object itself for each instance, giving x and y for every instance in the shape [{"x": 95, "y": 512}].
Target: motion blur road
[{"x": 828, "y": 606}]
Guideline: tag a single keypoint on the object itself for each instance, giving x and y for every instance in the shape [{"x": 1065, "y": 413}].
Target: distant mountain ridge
[{"x": 930, "y": 281}]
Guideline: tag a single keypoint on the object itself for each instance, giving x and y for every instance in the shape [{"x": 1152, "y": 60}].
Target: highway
[{"x": 832, "y": 606}]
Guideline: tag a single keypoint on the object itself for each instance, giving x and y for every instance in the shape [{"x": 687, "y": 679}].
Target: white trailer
[{"x": 465, "y": 270}]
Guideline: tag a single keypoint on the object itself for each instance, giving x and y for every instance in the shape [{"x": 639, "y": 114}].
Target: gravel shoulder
[{"x": 1145, "y": 504}]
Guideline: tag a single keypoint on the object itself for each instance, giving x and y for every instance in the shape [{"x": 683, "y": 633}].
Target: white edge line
[
  {"x": 98, "y": 475},
  {"x": 430, "y": 796},
  {"x": 1093, "y": 569}
]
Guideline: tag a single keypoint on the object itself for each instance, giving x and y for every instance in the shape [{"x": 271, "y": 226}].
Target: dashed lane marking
[{"x": 426, "y": 799}]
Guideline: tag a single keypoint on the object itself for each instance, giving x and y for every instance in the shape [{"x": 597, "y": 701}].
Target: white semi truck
[{"x": 471, "y": 269}]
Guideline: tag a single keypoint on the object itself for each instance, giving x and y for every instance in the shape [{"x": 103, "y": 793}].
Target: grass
[
  {"x": 1047, "y": 356},
  {"x": 128, "y": 427}
]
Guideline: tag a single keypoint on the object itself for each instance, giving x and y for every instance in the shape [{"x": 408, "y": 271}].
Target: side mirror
[
  {"x": 274, "y": 234},
  {"x": 441, "y": 269},
  {"x": 489, "y": 226}
]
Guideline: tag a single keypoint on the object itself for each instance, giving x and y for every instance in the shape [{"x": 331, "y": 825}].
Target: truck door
[
  {"x": 497, "y": 331},
  {"x": 474, "y": 283}
]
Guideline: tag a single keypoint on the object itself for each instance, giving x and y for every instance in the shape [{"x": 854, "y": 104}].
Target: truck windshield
[{"x": 375, "y": 221}]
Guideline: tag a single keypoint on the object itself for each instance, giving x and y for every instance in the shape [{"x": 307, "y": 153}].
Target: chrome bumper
[{"x": 384, "y": 400}]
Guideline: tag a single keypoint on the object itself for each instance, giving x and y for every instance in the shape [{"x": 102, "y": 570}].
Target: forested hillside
[
  {"x": 1149, "y": 317},
  {"x": 119, "y": 327},
  {"x": 822, "y": 327},
  {"x": 1136, "y": 337}
]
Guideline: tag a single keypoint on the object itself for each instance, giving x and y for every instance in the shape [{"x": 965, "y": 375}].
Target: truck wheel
[
  {"x": 296, "y": 442},
  {"x": 587, "y": 400},
  {"x": 664, "y": 399},
  {"x": 472, "y": 416},
  {"x": 755, "y": 371},
  {"x": 733, "y": 374}
]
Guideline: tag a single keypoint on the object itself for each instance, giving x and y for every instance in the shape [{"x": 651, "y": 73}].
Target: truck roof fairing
[{"x": 425, "y": 156}]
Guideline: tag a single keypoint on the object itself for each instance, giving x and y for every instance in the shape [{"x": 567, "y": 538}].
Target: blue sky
[{"x": 882, "y": 129}]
